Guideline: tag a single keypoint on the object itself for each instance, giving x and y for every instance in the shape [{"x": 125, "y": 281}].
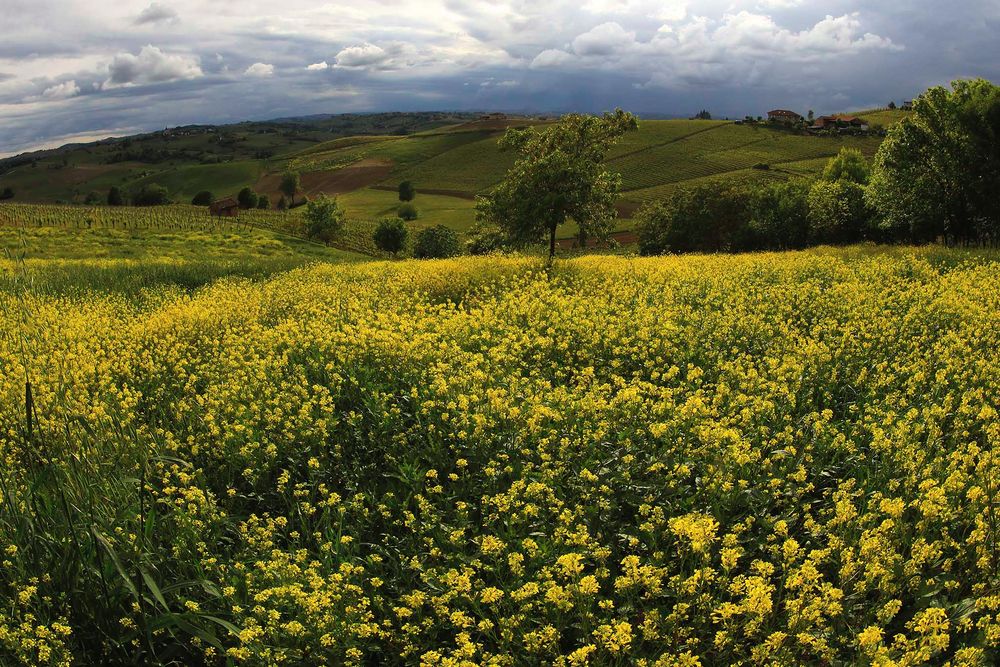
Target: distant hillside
[{"x": 449, "y": 158}]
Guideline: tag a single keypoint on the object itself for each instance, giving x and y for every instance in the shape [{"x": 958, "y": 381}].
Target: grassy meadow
[{"x": 768, "y": 459}]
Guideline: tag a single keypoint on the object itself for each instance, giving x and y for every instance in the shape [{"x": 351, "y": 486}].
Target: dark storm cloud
[{"x": 75, "y": 67}]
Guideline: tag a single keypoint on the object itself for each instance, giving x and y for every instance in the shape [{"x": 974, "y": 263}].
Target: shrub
[
  {"x": 203, "y": 198},
  {"x": 152, "y": 195},
  {"x": 324, "y": 219},
  {"x": 486, "y": 240},
  {"x": 437, "y": 242},
  {"x": 115, "y": 197},
  {"x": 708, "y": 218},
  {"x": 263, "y": 202},
  {"x": 247, "y": 198},
  {"x": 406, "y": 191},
  {"x": 8, "y": 193},
  {"x": 408, "y": 212},
  {"x": 390, "y": 236}
]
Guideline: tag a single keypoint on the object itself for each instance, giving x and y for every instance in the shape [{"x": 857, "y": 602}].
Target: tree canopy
[
  {"x": 937, "y": 173},
  {"x": 559, "y": 175},
  {"x": 324, "y": 219}
]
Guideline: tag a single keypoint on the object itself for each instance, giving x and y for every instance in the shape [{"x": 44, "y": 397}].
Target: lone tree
[
  {"x": 247, "y": 198},
  {"x": 290, "y": 185},
  {"x": 391, "y": 235},
  {"x": 263, "y": 202},
  {"x": 203, "y": 198},
  {"x": 559, "y": 174},
  {"x": 324, "y": 219},
  {"x": 115, "y": 197},
  {"x": 937, "y": 173},
  {"x": 406, "y": 191},
  {"x": 437, "y": 242}
]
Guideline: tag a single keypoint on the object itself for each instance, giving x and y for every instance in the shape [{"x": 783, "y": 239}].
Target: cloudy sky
[{"x": 84, "y": 69}]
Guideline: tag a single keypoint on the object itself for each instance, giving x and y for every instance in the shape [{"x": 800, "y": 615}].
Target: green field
[{"x": 449, "y": 165}]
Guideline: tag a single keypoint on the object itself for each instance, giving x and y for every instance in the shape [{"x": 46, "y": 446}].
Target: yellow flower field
[{"x": 771, "y": 459}]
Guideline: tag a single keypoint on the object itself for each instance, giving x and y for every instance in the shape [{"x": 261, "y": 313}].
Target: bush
[
  {"x": 93, "y": 199},
  {"x": 408, "y": 212},
  {"x": 486, "y": 240},
  {"x": 837, "y": 212},
  {"x": 152, "y": 195},
  {"x": 391, "y": 235},
  {"x": 247, "y": 198},
  {"x": 203, "y": 198},
  {"x": 437, "y": 242},
  {"x": 263, "y": 202},
  {"x": 324, "y": 219},
  {"x": 115, "y": 197},
  {"x": 8, "y": 193},
  {"x": 406, "y": 191},
  {"x": 708, "y": 218}
]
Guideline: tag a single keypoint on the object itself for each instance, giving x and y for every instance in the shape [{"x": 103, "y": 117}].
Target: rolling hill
[{"x": 450, "y": 159}]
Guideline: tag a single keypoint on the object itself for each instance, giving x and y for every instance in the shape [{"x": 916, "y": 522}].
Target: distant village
[{"x": 839, "y": 123}]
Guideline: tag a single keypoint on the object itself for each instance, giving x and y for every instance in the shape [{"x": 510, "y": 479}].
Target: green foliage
[
  {"x": 485, "y": 240},
  {"x": 849, "y": 165},
  {"x": 263, "y": 202},
  {"x": 324, "y": 219},
  {"x": 837, "y": 212},
  {"x": 151, "y": 195},
  {"x": 408, "y": 212},
  {"x": 7, "y": 193},
  {"x": 559, "y": 174},
  {"x": 779, "y": 216},
  {"x": 391, "y": 235},
  {"x": 290, "y": 184},
  {"x": 93, "y": 198},
  {"x": 406, "y": 191},
  {"x": 938, "y": 172},
  {"x": 203, "y": 198},
  {"x": 247, "y": 198},
  {"x": 115, "y": 197},
  {"x": 436, "y": 243},
  {"x": 709, "y": 218}
]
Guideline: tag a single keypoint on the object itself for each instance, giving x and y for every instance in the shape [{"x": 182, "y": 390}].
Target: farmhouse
[
  {"x": 840, "y": 123},
  {"x": 784, "y": 116},
  {"x": 225, "y": 208}
]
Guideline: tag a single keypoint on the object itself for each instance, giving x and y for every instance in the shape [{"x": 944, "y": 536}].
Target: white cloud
[
  {"x": 603, "y": 40},
  {"x": 151, "y": 65},
  {"x": 156, "y": 13},
  {"x": 361, "y": 57},
  {"x": 317, "y": 67},
  {"x": 61, "y": 91},
  {"x": 260, "y": 70}
]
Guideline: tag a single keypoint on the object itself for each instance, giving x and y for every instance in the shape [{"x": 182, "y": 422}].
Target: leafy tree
[
  {"x": 437, "y": 242},
  {"x": 707, "y": 218},
  {"x": 290, "y": 184},
  {"x": 390, "y": 236},
  {"x": 115, "y": 197},
  {"x": 203, "y": 198},
  {"x": 247, "y": 198},
  {"x": 282, "y": 203},
  {"x": 837, "y": 212},
  {"x": 152, "y": 195},
  {"x": 811, "y": 116},
  {"x": 93, "y": 199},
  {"x": 779, "y": 216},
  {"x": 849, "y": 165},
  {"x": 937, "y": 173},
  {"x": 408, "y": 212},
  {"x": 406, "y": 191},
  {"x": 263, "y": 202},
  {"x": 324, "y": 219},
  {"x": 702, "y": 115},
  {"x": 892, "y": 105},
  {"x": 559, "y": 174},
  {"x": 8, "y": 193},
  {"x": 486, "y": 239}
]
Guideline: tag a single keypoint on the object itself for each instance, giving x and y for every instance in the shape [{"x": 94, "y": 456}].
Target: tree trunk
[{"x": 552, "y": 243}]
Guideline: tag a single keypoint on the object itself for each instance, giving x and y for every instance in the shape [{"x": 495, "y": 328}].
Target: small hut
[{"x": 225, "y": 208}]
